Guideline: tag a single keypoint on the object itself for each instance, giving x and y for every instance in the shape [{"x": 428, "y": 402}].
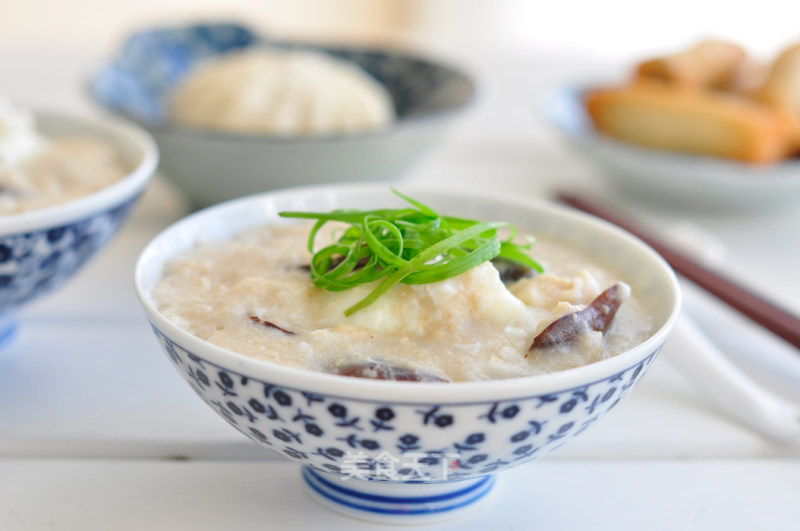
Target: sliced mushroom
[
  {"x": 380, "y": 371},
  {"x": 268, "y": 324},
  {"x": 511, "y": 271},
  {"x": 596, "y": 316}
]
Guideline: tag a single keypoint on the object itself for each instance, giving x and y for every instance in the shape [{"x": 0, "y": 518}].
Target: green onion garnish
[{"x": 414, "y": 245}]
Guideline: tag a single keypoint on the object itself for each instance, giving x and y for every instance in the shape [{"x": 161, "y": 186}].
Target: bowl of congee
[
  {"x": 405, "y": 345},
  {"x": 67, "y": 183}
]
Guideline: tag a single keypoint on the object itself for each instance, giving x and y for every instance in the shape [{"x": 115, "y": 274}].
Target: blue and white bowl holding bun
[
  {"x": 460, "y": 435},
  {"x": 42, "y": 248},
  {"x": 669, "y": 179},
  {"x": 211, "y": 165}
]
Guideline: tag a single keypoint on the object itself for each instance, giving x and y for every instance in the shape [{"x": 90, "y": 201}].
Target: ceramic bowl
[
  {"x": 212, "y": 166},
  {"x": 41, "y": 249},
  {"x": 672, "y": 179},
  {"x": 401, "y": 451}
]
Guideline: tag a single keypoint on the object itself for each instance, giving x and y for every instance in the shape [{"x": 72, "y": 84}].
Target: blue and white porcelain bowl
[
  {"x": 212, "y": 166},
  {"x": 403, "y": 451},
  {"x": 41, "y": 249}
]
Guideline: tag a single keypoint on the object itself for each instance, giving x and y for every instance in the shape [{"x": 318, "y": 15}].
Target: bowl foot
[
  {"x": 8, "y": 330},
  {"x": 396, "y": 503}
]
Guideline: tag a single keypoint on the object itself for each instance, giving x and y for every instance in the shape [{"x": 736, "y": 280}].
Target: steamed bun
[{"x": 281, "y": 92}]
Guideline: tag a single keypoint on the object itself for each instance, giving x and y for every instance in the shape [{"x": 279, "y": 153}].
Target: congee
[
  {"x": 422, "y": 298},
  {"x": 38, "y": 172}
]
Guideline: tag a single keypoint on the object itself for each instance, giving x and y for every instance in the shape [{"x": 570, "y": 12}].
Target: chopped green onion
[{"x": 410, "y": 245}]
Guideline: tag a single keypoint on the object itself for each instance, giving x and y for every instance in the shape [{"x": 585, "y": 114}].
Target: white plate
[{"x": 665, "y": 177}]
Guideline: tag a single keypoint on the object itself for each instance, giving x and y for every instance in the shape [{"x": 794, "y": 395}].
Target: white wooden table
[{"x": 98, "y": 432}]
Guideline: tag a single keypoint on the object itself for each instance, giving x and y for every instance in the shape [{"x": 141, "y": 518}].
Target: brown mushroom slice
[
  {"x": 596, "y": 316},
  {"x": 269, "y": 324},
  {"x": 511, "y": 271},
  {"x": 376, "y": 370}
]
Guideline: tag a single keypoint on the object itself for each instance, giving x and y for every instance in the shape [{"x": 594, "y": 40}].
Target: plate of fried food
[{"x": 706, "y": 127}]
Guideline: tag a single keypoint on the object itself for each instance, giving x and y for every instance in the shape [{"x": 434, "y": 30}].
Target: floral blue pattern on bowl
[
  {"x": 139, "y": 80},
  {"x": 37, "y": 262},
  {"x": 357, "y": 438},
  {"x": 453, "y": 449}
]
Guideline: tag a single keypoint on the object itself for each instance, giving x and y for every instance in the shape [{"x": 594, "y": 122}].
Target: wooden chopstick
[{"x": 775, "y": 319}]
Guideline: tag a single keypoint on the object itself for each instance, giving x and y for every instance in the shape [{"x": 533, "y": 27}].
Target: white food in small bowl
[
  {"x": 409, "y": 101},
  {"x": 19, "y": 138},
  {"x": 38, "y": 171},
  {"x": 272, "y": 91}
]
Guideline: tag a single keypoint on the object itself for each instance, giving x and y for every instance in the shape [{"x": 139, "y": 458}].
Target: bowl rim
[
  {"x": 404, "y": 392},
  {"x": 126, "y": 187},
  {"x": 398, "y": 124}
]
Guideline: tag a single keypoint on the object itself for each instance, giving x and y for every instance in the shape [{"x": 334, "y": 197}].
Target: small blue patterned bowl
[
  {"x": 400, "y": 451},
  {"x": 41, "y": 249},
  {"x": 212, "y": 166}
]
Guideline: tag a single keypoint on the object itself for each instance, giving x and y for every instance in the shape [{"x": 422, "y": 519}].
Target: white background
[{"x": 618, "y": 29}]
